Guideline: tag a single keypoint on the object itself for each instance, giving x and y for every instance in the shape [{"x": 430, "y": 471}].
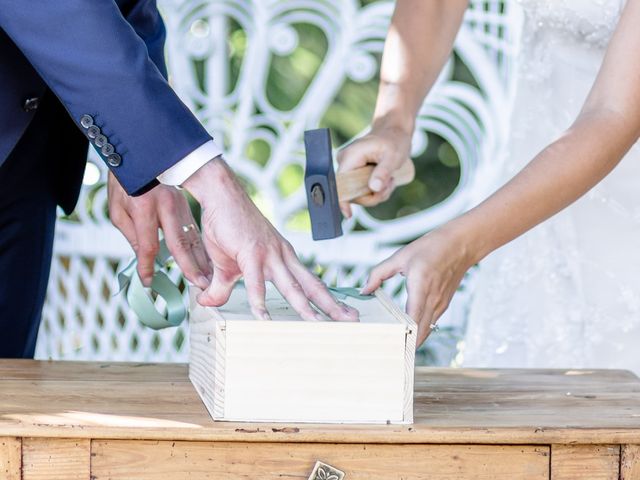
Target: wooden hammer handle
[{"x": 355, "y": 183}]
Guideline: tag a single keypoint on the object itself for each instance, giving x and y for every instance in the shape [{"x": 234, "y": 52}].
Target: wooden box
[{"x": 290, "y": 370}]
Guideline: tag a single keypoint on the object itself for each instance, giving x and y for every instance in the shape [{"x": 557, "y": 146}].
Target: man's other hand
[{"x": 166, "y": 208}]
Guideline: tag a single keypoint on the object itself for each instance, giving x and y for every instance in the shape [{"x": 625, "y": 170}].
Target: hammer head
[{"x": 320, "y": 184}]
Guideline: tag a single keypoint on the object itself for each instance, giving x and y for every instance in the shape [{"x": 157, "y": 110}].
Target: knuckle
[
  {"x": 145, "y": 269},
  {"x": 116, "y": 216},
  {"x": 214, "y": 300},
  {"x": 316, "y": 285},
  {"x": 196, "y": 242},
  {"x": 309, "y": 313},
  {"x": 437, "y": 313},
  {"x": 383, "y": 170},
  {"x": 259, "y": 250},
  {"x": 255, "y": 291},
  {"x": 255, "y": 253},
  {"x": 143, "y": 202},
  {"x": 295, "y": 286},
  {"x": 432, "y": 303},
  {"x": 181, "y": 243},
  {"x": 171, "y": 200},
  {"x": 288, "y": 249},
  {"x": 376, "y": 272},
  {"x": 148, "y": 249}
]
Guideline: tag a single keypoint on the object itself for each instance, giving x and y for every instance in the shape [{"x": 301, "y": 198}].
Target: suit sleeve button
[
  {"x": 114, "y": 160},
  {"x": 100, "y": 141},
  {"x": 31, "y": 104},
  {"x": 86, "y": 121},
  {"x": 93, "y": 131},
  {"x": 107, "y": 149}
]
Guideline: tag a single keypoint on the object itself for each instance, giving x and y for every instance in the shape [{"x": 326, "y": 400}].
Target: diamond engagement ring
[{"x": 188, "y": 228}]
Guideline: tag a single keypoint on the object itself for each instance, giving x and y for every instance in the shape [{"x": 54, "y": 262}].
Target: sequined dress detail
[{"x": 566, "y": 294}]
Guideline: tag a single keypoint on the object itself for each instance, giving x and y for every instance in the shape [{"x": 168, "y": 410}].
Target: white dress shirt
[{"x": 190, "y": 164}]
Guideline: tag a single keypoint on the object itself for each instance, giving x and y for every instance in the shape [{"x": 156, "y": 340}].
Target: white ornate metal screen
[{"x": 227, "y": 84}]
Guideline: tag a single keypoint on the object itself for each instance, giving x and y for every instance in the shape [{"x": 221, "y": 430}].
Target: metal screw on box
[{"x": 323, "y": 471}]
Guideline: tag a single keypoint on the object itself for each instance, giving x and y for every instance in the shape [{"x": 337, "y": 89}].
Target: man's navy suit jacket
[{"x": 102, "y": 60}]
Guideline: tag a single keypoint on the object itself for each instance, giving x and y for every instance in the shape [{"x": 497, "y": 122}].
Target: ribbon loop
[{"x": 141, "y": 299}]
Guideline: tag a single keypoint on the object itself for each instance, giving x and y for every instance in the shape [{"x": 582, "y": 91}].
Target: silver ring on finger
[
  {"x": 434, "y": 327},
  {"x": 189, "y": 227}
]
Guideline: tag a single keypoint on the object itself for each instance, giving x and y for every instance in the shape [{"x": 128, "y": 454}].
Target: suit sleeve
[{"x": 91, "y": 57}]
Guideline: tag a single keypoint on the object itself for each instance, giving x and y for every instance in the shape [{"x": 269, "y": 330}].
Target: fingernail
[
  {"x": 318, "y": 317},
  {"x": 375, "y": 184},
  {"x": 203, "y": 282},
  {"x": 266, "y": 316}
]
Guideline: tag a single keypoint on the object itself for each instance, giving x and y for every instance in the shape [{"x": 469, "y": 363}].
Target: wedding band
[
  {"x": 434, "y": 327},
  {"x": 188, "y": 228}
]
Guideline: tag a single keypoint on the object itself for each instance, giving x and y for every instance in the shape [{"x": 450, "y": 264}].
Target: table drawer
[{"x": 141, "y": 460}]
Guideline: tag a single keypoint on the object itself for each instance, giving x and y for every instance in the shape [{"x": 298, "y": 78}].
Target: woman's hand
[
  {"x": 389, "y": 149},
  {"x": 139, "y": 218},
  {"x": 434, "y": 266}
]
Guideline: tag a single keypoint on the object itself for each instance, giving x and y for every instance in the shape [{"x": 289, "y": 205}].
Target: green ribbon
[
  {"x": 341, "y": 293},
  {"x": 141, "y": 298}
]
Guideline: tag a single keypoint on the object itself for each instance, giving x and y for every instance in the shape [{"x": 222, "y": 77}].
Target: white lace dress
[{"x": 566, "y": 294}]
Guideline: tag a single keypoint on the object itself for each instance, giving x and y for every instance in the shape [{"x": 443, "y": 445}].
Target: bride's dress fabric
[{"x": 566, "y": 294}]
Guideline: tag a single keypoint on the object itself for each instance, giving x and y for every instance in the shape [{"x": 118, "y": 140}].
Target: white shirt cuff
[{"x": 190, "y": 164}]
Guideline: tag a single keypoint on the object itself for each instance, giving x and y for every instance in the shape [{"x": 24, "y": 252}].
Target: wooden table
[{"x": 98, "y": 421}]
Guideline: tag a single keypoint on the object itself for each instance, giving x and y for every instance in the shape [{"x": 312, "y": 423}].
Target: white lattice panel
[{"x": 85, "y": 319}]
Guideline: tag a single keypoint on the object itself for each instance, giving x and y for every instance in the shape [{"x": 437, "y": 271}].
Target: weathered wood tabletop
[{"x": 113, "y": 419}]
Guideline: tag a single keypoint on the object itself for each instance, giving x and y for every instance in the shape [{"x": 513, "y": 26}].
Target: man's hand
[
  {"x": 139, "y": 218},
  {"x": 388, "y": 149},
  {"x": 241, "y": 242}
]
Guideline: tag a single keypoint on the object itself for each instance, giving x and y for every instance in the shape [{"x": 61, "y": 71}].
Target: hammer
[{"x": 325, "y": 189}]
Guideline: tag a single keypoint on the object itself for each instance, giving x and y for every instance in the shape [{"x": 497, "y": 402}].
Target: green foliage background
[{"x": 437, "y": 168}]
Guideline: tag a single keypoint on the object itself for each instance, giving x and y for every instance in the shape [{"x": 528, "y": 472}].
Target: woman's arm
[
  {"x": 607, "y": 126},
  {"x": 418, "y": 43}
]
